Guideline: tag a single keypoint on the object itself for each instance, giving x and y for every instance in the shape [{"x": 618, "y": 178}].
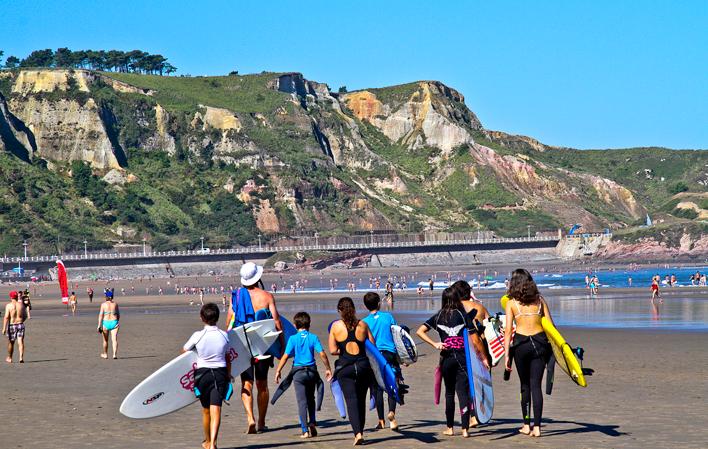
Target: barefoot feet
[{"x": 526, "y": 430}]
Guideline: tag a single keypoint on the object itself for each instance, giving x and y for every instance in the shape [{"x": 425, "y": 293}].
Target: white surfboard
[
  {"x": 405, "y": 346},
  {"x": 170, "y": 388},
  {"x": 494, "y": 335}
]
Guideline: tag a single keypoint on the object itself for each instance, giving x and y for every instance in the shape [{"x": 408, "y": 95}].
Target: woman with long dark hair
[
  {"x": 530, "y": 348},
  {"x": 353, "y": 371},
  {"x": 451, "y": 323}
]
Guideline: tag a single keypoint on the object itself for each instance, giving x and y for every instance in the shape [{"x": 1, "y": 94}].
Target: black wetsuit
[
  {"x": 531, "y": 353},
  {"x": 452, "y": 328},
  {"x": 355, "y": 377}
]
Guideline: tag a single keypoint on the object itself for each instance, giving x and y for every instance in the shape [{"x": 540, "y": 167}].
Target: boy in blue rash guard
[
  {"x": 380, "y": 324},
  {"x": 302, "y": 346}
]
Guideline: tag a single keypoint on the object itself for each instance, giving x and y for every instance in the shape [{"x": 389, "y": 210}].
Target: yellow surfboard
[{"x": 565, "y": 357}]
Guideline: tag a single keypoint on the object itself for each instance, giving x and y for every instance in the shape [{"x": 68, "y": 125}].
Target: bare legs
[
  {"x": 104, "y": 353},
  {"x": 10, "y": 350},
  {"x": 211, "y": 420},
  {"x": 114, "y": 339},
  {"x": 247, "y": 399},
  {"x": 21, "y": 346}
]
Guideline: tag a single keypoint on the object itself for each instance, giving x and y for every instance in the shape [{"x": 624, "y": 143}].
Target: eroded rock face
[
  {"x": 36, "y": 81},
  {"x": 616, "y": 195},
  {"x": 266, "y": 220},
  {"x": 52, "y": 122},
  {"x": 422, "y": 120},
  {"x": 650, "y": 248}
]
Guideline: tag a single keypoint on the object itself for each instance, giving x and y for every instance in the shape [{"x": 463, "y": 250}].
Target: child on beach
[
  {"x": 380, "y": 324},
  {"x": 212, "y": 378},
  {"x": 303, "y": 346}
]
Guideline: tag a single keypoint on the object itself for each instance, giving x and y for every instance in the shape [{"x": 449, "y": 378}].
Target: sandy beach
[{"x": 649, "y": 387}]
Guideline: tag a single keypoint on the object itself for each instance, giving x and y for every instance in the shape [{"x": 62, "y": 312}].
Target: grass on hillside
[{"x": 247, "y": 93}]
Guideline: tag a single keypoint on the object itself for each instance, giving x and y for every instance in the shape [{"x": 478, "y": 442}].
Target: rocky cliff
[{"x": 171, "y": 159}]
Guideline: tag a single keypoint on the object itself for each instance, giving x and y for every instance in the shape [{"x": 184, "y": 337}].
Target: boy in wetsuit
[
  {"x": 380, "y": 324},
  {"x": 213, "y": 374},
  {"x": 302, "y": 346}
]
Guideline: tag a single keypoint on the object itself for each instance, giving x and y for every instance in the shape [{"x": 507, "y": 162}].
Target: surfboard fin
[
  {"x": 262, "y": 357},
  {"x": 272, "y": 333},
  {"x": 588, "y": 371},
  {"x": 250, "y": 329}
]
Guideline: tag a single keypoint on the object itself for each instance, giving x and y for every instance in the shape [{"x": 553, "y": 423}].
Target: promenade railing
[{"x": 270, "y": 248}]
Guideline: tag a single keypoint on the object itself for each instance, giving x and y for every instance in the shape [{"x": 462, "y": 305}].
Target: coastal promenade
[{"x": 373, "y": 244}]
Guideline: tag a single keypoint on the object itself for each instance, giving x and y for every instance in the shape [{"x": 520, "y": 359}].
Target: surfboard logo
[
  {"x": 154, "y": 398},
  {"x": 231, "y": 355},
  {"x": 187, "y": 381}
]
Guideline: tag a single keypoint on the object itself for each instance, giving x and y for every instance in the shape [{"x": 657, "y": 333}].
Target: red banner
[{"x": 63, "y": 283}]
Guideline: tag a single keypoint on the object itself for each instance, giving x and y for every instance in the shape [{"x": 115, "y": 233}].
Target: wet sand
[{"x": 649, "y": 389}]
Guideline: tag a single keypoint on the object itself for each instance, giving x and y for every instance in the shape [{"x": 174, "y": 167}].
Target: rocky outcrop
[
  {"x": 422, "y": 120},
  {"x": 645, "y": 249},
  {"x": 38, "y": 81},
  {"x": 50, "y": 122}
]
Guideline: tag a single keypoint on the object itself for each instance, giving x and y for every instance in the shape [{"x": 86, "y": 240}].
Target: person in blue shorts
[
  {"x": 380, "y": 324},
  {"x": 303, "y": 346}
]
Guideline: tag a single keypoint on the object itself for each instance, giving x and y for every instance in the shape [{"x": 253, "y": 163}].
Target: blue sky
[{"x": 586, "y": 74}]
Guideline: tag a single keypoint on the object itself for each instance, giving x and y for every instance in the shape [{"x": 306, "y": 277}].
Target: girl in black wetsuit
[
  {"x": 530, "y": 348},
  {"x": 451, "y": 323},
  {"x": 352, "y": 369}
]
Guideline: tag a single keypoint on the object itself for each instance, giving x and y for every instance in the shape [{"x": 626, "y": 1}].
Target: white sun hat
[{"x": 250, "y": 274}]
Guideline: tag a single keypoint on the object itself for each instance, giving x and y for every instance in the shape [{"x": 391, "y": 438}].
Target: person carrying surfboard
[
  {"x": 530, "y": 348},
  {"x": 451, "y": 323},
  {"x": 244, "y": 303},
  {"x": 352, "y": 369},
  {"x": 303, "y": 346},
  {"x": 380, "y": 324},
  {"x": 212, "y": 378}
]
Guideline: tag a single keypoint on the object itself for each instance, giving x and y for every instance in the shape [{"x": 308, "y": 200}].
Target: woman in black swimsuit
[
  {"x": 353, "y": 371},
  {"x": 451, "y": 323}
]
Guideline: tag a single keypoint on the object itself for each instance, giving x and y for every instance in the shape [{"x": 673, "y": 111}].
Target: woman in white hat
[{"x": 259, "y": 299}]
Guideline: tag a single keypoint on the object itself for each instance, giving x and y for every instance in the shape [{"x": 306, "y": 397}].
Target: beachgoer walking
[
  {"x": 655, "y": 291},
  {"x": 72, "y": 303},
  {"x": 243, "y": 307},
  {"x": 303, "y": 346},
  {"x": 451, "y": 324},
  {"x": 108, "y": 323},
  {"x": 530, "y": 349},
  {"x": 13, "y": 325},
  {"x": 380, "y": 324},
  {"x": 212, "y": 378},
  {"x": 352, "y": 369},
  {"x": 90, "y": 294}
]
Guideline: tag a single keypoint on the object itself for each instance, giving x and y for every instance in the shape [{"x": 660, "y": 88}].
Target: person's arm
[
  {"x": 100, "y": 316},
  {"x": 276, "y": 318},
  {"x": 281, "y": 365},
  {"x": 369, "y": 335},
  {"x": 507, "y": 333},
  {"x": 547, "y": 311},
  {"x": 5, "y": 321},
  {"x": 117, "y": 313},
  {"x": 422, "y": 332},
  {"x": 328, "y": 369},
  {"x": 331, "y": 341}
]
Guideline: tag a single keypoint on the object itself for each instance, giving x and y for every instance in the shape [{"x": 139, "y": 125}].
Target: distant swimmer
[
  {"x": 451, "y": 324},
  {"x": 530, "y": 348},
  {"x": 108, "y": 323},
  {"x": 352, "y": 370},
  {"x": 13, "y": 325}
]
